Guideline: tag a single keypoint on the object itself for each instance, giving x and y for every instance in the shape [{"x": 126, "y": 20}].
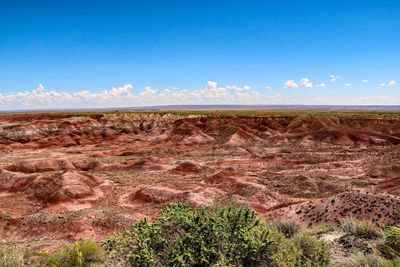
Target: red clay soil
[{"x": 65, "y": 176}]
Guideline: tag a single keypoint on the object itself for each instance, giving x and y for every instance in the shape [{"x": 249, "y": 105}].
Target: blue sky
[{"x": 118, "y": 53}]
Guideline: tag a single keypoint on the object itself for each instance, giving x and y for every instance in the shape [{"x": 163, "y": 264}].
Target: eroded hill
[{"x": 70, "y": 176}]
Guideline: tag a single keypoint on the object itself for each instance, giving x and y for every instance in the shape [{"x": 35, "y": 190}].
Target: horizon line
[{"x": 222, "y": 106}]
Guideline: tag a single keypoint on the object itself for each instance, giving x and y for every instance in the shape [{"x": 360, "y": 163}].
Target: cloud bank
[
  {"x": 211, "y": 93},
  {"x": 123, "y": 96}
]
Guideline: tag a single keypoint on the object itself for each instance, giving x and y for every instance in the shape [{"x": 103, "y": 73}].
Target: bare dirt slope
[{"x": 70, "y": 176}]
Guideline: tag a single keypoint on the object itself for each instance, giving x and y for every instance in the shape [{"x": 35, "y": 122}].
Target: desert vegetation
[
  {"x": 314, "y": 181},
  {"x": 228, "y": 235}
]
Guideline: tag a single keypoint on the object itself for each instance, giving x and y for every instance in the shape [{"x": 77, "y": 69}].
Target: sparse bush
[
  {"x": 365, "y": 260},
  {"x": 287, "y": 254},
  {"x": 349, "y": 225},
  {"x": 10, "y": 257},
  {"x": 314, "y": 252},
  {"x": 390, "y": 247},
  {"x": 182, "y": 236},
  {"x": 392, "y": 263},
  {"x": 49, "y": 130},
  {"x": 286, "y": 227},
  {"x": 362, "y": 229},
  {"x": 79, "y": 254},
  {"x": 13, "y": 134},
  {"x": 371, "y": 260},
  {"x": 33, "y": 259},
  {"x": 213, "y": 236}
]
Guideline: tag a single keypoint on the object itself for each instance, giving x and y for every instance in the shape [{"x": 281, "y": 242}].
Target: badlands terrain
[{"x": 67, "y": 176}]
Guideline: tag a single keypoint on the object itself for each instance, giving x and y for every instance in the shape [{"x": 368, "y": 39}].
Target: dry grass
[{"x": 363, "y": 229}]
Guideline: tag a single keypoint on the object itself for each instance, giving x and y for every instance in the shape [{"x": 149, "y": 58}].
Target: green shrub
[
  {"x": 287, "y": 254},
  {"x": 9, "y": 257},
  {"x": 79, "y": 254},
  {"x": 390, "y": 247},
  {"x": 362, "y": 229},
  {"x": 286, "y": 227},
  {"x": 213, "y": 236},
  {"x": 182, "y": 236},
  {"x": 314, "y": 252}
]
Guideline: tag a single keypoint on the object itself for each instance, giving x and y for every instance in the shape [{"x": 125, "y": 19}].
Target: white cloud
[
  {"x": 39, "y": 88},
  {"x": 291, "y": 84},
  {"x": 321, "y": 85},
  {"x": 123, "y": 96},
  {"x": 116, "y": 91},
  {"x": 148, "y": 91},
  {"x": 391, "y": 83},
  {"x": 348, "y": 85},
  {"x": 334, "y": 78},
  {"x": 305, "y": 82},
  {"x": 364, "y": 81},
  {"x": 212, "y": 85}
]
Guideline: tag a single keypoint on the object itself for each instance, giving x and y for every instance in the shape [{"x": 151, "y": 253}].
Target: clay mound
[
  {"x": 187, "y": 167},
  {"x": 389, "y": 186},
  {"x": 386, "y": 179},
  {"x": 59, "y": 187},
  {"x": 41, "y": 166},
  {"x": 345, "y": 136},
  {"x": 88, "y": 165},
  {"x": 225, "y": 149},
  {"x": 304, "y": 186},
  {"x": 197, "y": 137},
  {"x": 297, "y": 186},
  {"x": 304, "y": 123},
  {"x": 182, "y": 129},
  {"x": 341, "y": 131},
  {"x": 147, "y": 164},
  {"x": 158, "y": 194},
  {"x": 204, "y": 196},
  {"x": 377, "y": 172},
  {"x": 68, "y": 127},
  {"x": 255, "y": 194},
  {"x": 63, "y": 187},
  {"x": 327, "y": 135},
  {"x": 62, "y": 140},
  {"x": 384, "y": 172},
  {"x": 241, "y": 137},
  {"x": 109, "y": 133},
  {"x": 224, "y": 179},
  {"x": 242, "y": 189},
  {"x": 162, "y": 194},
  {"x": 380, "y": 209},
  {"x": 14, "y": 182}
]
